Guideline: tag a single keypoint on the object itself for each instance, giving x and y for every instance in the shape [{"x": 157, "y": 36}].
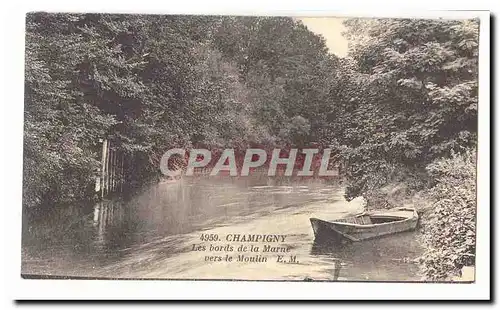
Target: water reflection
[
  {"x": 151, "y": 234},
  {"x": 389, "y": 258}
]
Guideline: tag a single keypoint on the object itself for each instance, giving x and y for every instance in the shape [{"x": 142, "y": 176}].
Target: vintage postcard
[{"x": 251, "y": 148}]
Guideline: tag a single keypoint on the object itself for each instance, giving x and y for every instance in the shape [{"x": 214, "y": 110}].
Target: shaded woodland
[{"x": 400, "y": 109}]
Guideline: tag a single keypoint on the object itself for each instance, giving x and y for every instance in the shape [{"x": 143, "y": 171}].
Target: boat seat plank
[{"x": 359, "y": 220}]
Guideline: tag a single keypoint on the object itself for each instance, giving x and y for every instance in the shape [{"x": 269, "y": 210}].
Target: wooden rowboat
[{"x": 366, "y": 225}]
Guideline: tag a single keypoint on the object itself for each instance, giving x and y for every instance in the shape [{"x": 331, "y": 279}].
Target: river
[{"x": 152, "y": 233}]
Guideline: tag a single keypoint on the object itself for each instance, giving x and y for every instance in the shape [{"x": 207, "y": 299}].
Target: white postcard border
[{"x": 146, "y": 289}]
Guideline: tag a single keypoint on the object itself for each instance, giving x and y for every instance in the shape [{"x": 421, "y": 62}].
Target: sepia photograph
[{"x": 250, "y": 148}]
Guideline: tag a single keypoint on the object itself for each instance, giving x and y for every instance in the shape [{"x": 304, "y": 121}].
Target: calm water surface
[{"x": 151, "y": 235}]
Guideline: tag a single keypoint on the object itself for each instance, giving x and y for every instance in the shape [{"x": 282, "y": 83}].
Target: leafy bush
[{"x": 450, "y": 227}]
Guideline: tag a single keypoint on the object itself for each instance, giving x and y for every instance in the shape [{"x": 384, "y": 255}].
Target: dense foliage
[
  {"x": 151, "y": 82},
  {"x": 450, "y": 226},
  {"x": 410, "y": 97}
]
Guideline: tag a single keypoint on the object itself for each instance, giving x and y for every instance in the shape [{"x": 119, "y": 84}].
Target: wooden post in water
[
  {"x": 122, "y": 175},
  {"x": 115, "y": 170},
  {"x": 112, "y": 174},
  {"x": 115, "y": 176},
  {"x": 107, "y": 168},
  {"x": 103, "y": 165}
]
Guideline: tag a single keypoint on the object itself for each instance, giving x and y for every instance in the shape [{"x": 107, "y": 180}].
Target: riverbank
[{"x": 447, "y": 212}]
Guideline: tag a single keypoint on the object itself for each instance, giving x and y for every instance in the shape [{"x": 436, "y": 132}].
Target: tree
[
  {"x": 152, "y": 82},
  {"x": 418, "y": 100},
  {"x": 61, "y": 127}
]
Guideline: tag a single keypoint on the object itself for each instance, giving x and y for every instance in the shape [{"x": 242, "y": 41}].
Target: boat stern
[{"x": 315, "y": 223}]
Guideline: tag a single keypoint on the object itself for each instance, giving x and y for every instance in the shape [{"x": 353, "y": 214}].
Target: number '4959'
[{"x": 209, "y": 237}]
